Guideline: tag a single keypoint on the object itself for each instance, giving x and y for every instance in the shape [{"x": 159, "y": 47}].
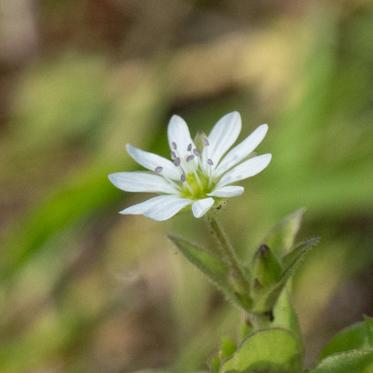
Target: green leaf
[
  {"x": 297, "y": 253},
  {"x": 354, "y": 361},
  {"x": 270, "y": 350},
  {"x": 354, "y": 337},
  {"x": 284, "y": 315},
  {"x": 210, "y": 265},
  {"x": 214, "y": 364},
  {"x": 282, "y": 236},
  {"x": 227, "y": 348},
  {"x": 245, "y": 329}
]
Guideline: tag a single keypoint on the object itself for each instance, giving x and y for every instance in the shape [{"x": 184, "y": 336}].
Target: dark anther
[
  {"x": 174, "y": 145},
  {"x": 210, "y": 162},
  {"x": 177, "y": 162},
  {"x": 189, "y": 147},
  {"x": 158, "y": 169},
  {"x": 190, "y": 158}
]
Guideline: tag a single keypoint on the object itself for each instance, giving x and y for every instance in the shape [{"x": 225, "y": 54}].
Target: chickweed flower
[{"x": 199, "y": 173}]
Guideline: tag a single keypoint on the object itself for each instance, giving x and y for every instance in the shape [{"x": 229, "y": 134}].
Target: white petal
[
  {"x": 141, "y": 207},
  {"x": 141, "y": 182},
  {"x": 179, "y": 136},
  {"x": 158, "y": 208},
  {"x": 242, "y": 150},
  {"x": 154, "y": 162},
  {"x": 201, "y": 206},
  {"x": 222, "y": 137},
  {"x": 227, "y": 191},
  {"x": 246, "y": 169}
]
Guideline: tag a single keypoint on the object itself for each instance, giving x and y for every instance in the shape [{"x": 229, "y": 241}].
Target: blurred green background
[{"x": 84, "y": 289}]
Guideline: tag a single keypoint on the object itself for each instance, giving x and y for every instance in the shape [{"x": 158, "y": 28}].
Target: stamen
[
  {"x": 171, "y": 182},
  {"x": 158, "y": 169},
  {"x": 177, "y": 162},
  {"x": 196, "y": 153},
  {"x": 189, "y": 158},
  {"x": 174, "y": 145},
  {"x": 173, "y": 155},
  {"x": 206, "y": 141},
  {"x": 209, "y": 171},
  {"x": 185, "y": 184},
  {"x": 199, "y": 182}
]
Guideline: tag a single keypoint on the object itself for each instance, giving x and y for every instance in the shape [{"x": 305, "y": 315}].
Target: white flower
[{"x": 196, "y": 176}]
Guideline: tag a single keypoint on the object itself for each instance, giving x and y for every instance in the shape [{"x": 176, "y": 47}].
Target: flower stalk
[
  {"x": 241, "y": 276},
  {"x": 228, "y": 253}
]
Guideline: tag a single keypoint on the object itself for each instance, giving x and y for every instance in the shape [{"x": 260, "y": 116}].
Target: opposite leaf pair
[{"x": 266, "y": 276}]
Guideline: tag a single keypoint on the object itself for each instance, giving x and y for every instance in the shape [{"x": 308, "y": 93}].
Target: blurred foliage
[{"x": 84, "y": 289}]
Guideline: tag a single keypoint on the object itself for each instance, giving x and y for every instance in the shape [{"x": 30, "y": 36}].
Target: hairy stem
[{"x": 228, "y": 252}]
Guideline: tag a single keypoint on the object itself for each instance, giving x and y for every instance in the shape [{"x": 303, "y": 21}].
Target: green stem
[
  {"x": 260, "y": 321},
  {"x": 228, "y": 252}
]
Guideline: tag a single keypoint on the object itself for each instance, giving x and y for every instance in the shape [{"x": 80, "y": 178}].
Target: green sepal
[
  {"x": 266, "y": 268},
  {"x": 354, "y": 337},
  {"x": 273, "y": 350}
]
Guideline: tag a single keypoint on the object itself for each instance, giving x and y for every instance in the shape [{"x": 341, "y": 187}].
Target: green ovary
[{"x": 197, "y": 185}]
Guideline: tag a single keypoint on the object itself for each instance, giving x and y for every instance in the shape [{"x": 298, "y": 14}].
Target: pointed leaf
[
  {"x": 298, "y": 251},
  {"x": 354, "y": 337},
  {"x": 282, "y": 236},
  {"x": 354, "y": 361},
  {"x": 209, "y": 264},
  {"x": 284, "y": 315},
  {"x": 268, "y": 350}
]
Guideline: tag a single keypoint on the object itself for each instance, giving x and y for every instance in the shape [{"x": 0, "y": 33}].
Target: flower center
[{"x": 196, "y": 185}]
